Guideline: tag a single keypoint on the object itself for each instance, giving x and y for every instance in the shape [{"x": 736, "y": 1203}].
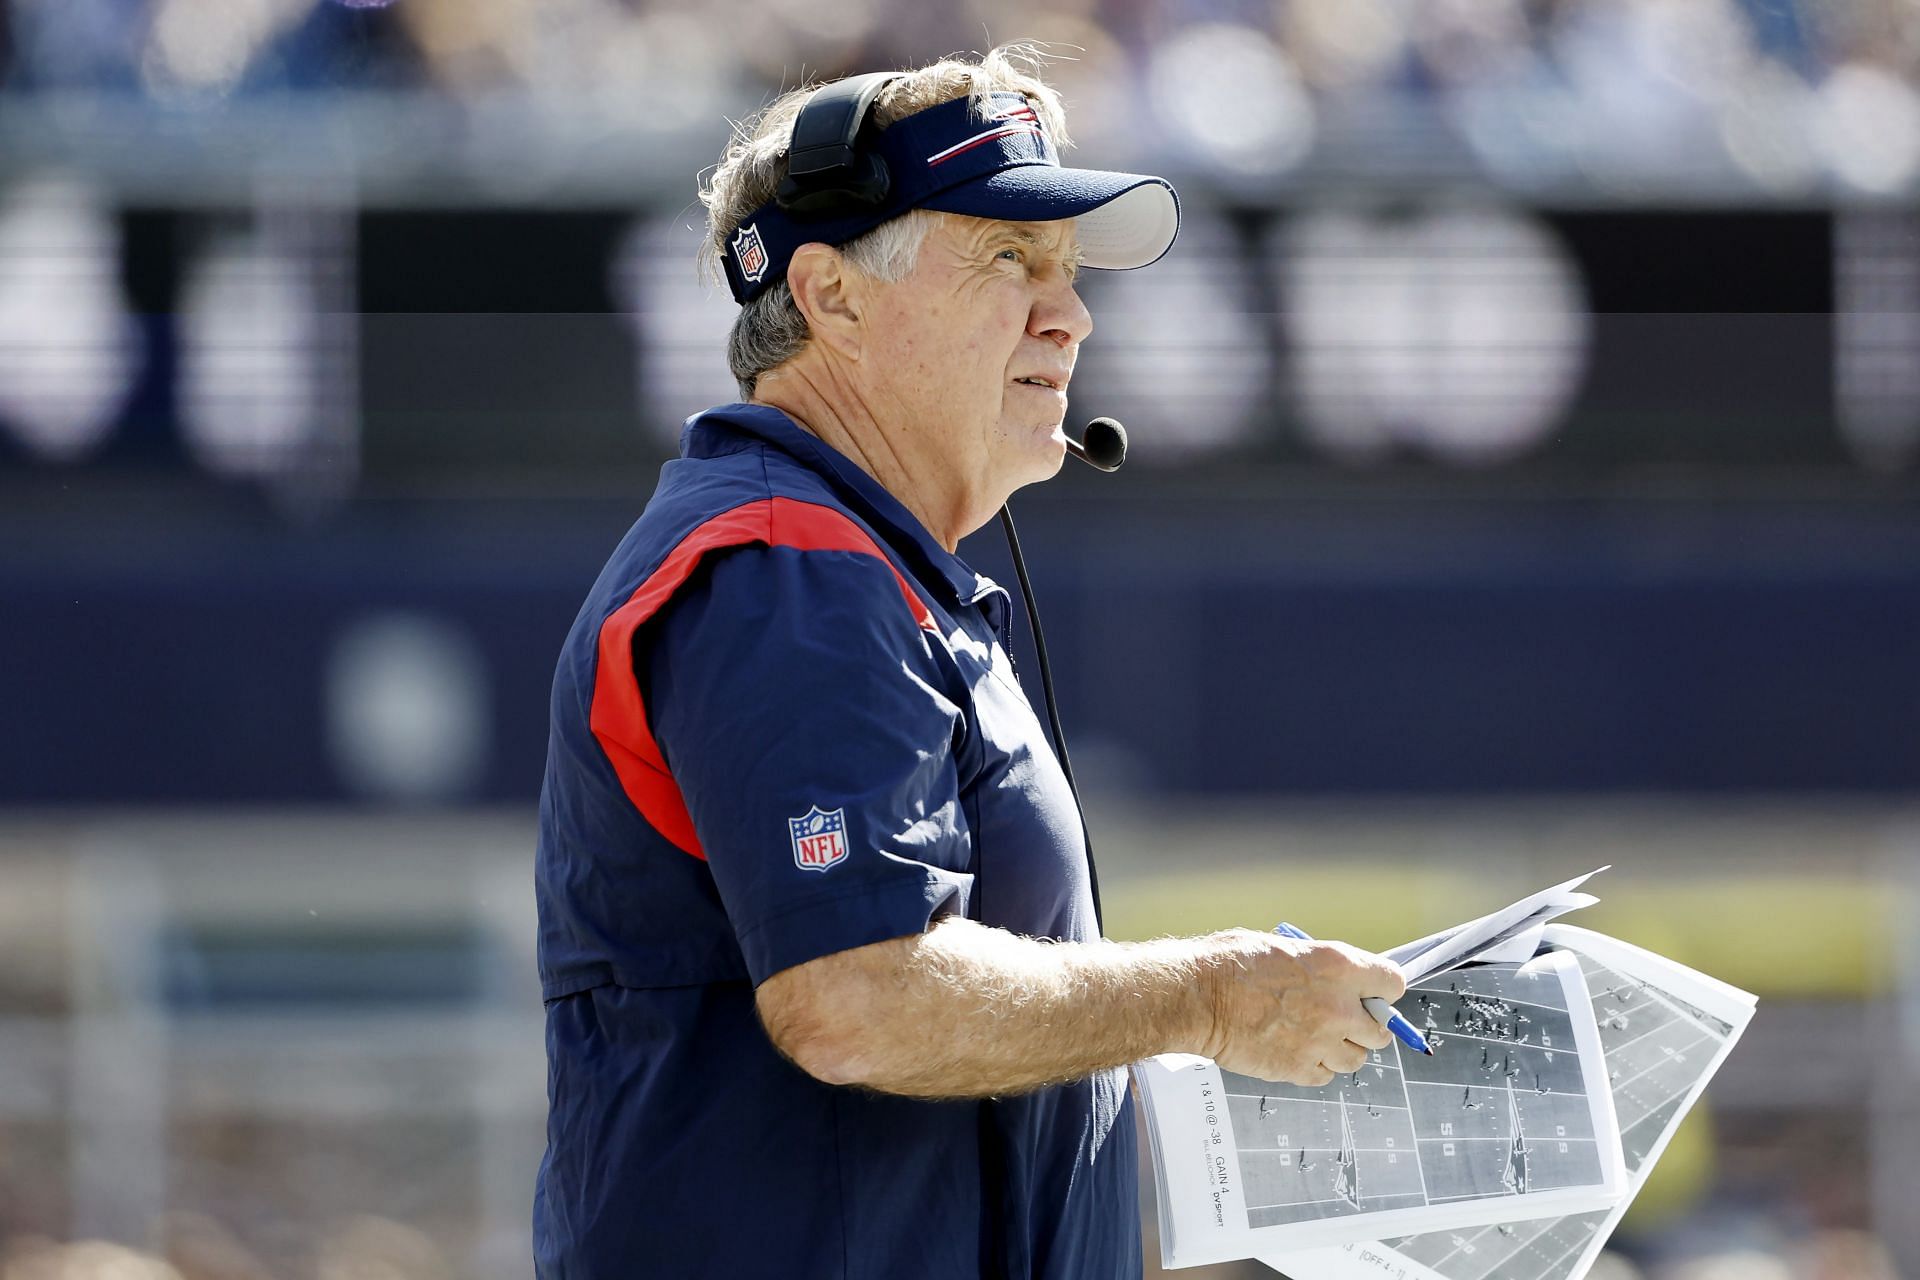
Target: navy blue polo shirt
[{"x": 785, "y": 724}]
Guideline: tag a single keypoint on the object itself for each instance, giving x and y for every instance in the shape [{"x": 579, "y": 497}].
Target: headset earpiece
[{"x": 828, "y": 174}]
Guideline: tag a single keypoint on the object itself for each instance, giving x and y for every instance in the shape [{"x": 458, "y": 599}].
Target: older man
[{"x": 825, "y": 993}]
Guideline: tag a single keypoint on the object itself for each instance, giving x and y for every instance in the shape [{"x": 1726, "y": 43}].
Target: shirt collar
[{"x": 901, "y": 529}]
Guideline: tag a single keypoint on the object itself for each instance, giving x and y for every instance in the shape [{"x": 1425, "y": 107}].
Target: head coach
[{"x": 826, "y": 996}]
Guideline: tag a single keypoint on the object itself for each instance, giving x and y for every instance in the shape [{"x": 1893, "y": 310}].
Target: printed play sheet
[
  {"x": 1511, "y": 1118},
  {"x": 1664, "y": 1030}
]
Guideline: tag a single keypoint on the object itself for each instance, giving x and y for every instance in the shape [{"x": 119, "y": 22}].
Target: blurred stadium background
[{"x": 1525, "y": 443}]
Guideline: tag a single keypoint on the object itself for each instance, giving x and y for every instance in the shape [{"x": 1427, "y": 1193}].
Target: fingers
[
  {"x": 1372, "y": 1035},
  {"x": 1342, "y": 1061},
  {"x": 1292, "y": 1010},
  {"x": 1374, "y": 975},
  {"x": 1344, "y": 1058},
  {"x": 1371, "y": 977}
]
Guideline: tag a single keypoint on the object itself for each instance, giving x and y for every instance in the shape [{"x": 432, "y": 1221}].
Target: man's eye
[{"x": 1014, "y": 253}]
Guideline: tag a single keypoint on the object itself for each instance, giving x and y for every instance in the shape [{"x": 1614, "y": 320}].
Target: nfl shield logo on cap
[
  {"x": 750, "y": 253},
  {"x": 819, "y": 838}
]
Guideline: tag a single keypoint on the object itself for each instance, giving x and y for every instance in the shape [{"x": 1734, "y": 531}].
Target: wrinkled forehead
[{"x": 1060, "y": 236}]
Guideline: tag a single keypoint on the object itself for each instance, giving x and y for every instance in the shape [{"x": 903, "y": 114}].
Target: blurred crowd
[
  {"x": 380, "y": 1249},
  {"x": 1770, "y": 81},
  {"x": 567, "y": 47},
  {"x": 197, "y": 1247}
]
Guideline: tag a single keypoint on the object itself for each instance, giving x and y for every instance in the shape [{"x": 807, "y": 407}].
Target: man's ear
[{"x": 830, "y": 294}]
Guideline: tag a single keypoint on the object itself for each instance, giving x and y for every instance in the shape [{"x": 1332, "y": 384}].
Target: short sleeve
[{"x": 799, "y": 706}]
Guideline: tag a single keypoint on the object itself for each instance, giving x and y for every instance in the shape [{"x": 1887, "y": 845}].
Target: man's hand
[{"x": 1287, "y": 1009}]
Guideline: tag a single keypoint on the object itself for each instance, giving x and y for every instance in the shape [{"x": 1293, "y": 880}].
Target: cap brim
[{"x": 1124, "y": 220}]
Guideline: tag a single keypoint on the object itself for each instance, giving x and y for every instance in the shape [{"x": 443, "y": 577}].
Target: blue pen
[{"x": 1388, "y": 1016}]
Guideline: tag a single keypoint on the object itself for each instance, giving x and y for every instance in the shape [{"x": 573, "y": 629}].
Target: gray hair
[{"x": 770, "y": 330}]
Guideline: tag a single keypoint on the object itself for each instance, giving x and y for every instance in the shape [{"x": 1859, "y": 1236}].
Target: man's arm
[
  {"x": 797, "y": 680},
  {"x": 963, "y": 1010}
]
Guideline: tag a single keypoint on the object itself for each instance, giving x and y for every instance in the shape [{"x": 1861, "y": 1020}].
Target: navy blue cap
[{"x": 996, "y": 162}]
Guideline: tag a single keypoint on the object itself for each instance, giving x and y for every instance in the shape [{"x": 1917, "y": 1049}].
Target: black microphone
[{"x": 1103, "y": 446}]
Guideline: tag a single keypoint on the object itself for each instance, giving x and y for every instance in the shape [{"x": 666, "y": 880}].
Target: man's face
[{"x": 962, "y": 344}]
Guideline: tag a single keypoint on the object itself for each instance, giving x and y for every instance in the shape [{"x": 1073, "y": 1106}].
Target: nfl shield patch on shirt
[{"x": 819, "y": 838}]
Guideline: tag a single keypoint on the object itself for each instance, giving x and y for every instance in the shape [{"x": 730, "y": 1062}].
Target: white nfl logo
[
  {"x": 819, "y": 838},
  {"x": 750, "y": 253}
]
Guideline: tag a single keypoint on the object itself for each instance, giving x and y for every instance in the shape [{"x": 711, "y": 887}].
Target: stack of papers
[{"x": 1563, "y": 1061}]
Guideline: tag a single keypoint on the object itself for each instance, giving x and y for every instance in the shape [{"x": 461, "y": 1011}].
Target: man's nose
[{"x": 1059, "y": 314}]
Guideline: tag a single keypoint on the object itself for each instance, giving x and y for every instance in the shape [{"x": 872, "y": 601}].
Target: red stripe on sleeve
[{"x": 619, "y": 717}]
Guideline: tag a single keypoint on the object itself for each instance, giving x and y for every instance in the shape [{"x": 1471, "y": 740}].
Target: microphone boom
[{"x": 1103, "y": 445}]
